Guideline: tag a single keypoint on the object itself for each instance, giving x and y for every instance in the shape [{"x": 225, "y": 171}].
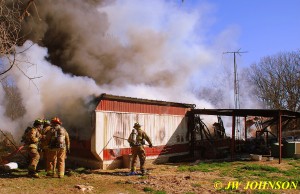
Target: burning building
[{"x": 112, "y": 119}]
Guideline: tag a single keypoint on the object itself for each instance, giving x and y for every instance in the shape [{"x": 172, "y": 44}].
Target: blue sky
[{"x": 265, "y": 27}]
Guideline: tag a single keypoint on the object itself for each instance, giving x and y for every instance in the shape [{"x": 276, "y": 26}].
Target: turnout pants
[
  {"x": 34, "y": 158},
  {"x": 138, "y": 151},
  {"x": 56, "y": 157}
]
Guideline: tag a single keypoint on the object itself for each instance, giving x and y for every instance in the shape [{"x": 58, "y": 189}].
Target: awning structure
[{"x": 278, "y": 114}]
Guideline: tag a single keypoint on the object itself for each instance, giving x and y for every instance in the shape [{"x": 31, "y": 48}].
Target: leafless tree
[
  {"x": 14, "y": 107},
  {"x": 12, "y": 13},
  {"x": 277, "y": 80}
]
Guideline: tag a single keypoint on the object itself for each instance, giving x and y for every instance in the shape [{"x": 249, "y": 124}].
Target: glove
[{"x": 150, "y": 145}]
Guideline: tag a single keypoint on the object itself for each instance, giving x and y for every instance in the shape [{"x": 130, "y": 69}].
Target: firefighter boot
[
  {"x": 144, "y": 172},
  {"x": 32, "y": 172},
  {"x": 132, "y": 173}
]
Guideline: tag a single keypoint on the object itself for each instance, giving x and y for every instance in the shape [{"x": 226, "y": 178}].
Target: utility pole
[{"x": 236, "y": 87}]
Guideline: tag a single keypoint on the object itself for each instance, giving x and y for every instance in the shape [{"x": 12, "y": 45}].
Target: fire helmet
[
  {"x": 56, "y": 120},
  {"x": 38, "y": 122},
  {"x": 136, "y": 125},
  {"x": 47, "y": 122}
]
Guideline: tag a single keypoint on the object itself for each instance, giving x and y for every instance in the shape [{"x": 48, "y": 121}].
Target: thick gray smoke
[
  {"x": 137, "y": 48},
  {"x": 119, "y": 43}
]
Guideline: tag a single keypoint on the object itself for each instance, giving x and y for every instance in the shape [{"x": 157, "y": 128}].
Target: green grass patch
[
  {"x": 151, "y": 190},
  {"x": 263, "y": 192},
  {"x": 294, "y": 163},
  {"x": 204, "y": 167},
  {"x": 256, "y": 167},
  {"x": 82, "y": 170},
  {"x": 291, "y": 172},
  {"x": 194, "y": 168},
  {"x": 196, "y": 185},
  {"x": 148, "y": 189}
]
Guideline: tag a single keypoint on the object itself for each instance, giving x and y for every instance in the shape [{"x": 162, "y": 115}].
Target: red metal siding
[
  {"x": 108, "y": 105},
  {"x": 111, "y": 154},
  {"x": 81, "y": 148}
]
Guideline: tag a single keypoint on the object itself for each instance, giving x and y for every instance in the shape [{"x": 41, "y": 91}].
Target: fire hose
[
  {"x": 18, "y": 149},
  {"x": 126, "y": 139},
  {"x": 111, "y": 139}
]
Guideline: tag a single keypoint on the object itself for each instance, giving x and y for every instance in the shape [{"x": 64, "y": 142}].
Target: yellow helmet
[
  {"x": 47, "y": 122},
  {"x": 38, "y": 122}
]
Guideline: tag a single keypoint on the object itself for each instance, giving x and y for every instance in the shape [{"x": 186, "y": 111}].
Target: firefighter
[
  {"x": 43, "y": 142},
  {"x": 58, "y": 144},
  {"x": 136, "y": 141},
  {"x": 31, "y": 139}
]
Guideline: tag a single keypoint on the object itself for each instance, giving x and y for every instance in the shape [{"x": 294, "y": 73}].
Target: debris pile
[{"x": 10, "y": 154}]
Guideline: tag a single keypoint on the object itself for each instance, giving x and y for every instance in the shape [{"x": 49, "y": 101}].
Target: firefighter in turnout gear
[
  {"x": 58, "y": 144},
  {"x": 31, "y": 139},
  {"x": 43, "y": 142},
  {"x": 136, "y": 141}
]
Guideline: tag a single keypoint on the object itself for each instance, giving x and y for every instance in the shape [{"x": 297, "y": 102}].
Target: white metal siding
[{"x": 162, "y": 129}]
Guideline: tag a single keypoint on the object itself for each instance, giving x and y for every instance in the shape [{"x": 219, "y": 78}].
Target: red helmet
[{"x": 56, "y": 120}]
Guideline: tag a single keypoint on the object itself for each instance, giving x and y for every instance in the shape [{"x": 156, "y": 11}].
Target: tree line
[{"x": 276, "y": 80}]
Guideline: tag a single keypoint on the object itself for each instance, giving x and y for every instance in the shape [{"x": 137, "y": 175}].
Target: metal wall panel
[
  {"x": 113, "y": 128},
  {"x": 165, "y": 124}
]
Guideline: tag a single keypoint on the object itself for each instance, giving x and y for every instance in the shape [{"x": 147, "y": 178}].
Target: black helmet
[{"x": 136, "y": 125}]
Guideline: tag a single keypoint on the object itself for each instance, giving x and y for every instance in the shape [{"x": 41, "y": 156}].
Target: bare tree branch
[
  {"x": 277, "y": 81},
  {"x": 10, "y": 26}
]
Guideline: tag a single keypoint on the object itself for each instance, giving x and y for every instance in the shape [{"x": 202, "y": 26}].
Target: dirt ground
[{"x": 166, "y": 178}]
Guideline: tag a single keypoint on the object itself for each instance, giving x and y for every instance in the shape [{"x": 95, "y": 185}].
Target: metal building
[{"x": 166, "y": 124}]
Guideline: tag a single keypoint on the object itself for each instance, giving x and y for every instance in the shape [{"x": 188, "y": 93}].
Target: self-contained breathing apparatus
[
  {"x": 136, "y": 138},
  {"x": 58, "y": 138}
]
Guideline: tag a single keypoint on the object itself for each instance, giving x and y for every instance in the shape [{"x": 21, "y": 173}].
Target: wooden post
[
  {"x": 245, "y": 118},
  {"x": 280, "y": 136},
  {"x": 233, "y": 137},
  {"x": 192, "y": 133}
]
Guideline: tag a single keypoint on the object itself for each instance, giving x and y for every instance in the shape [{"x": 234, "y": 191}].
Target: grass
[
  {"x": 263, "y": 192},
  {"x": 204, "y": 167},
  {"x": 256, "y": 167},
  {"x": 248, "y": 171},
  {"x": 217, "y": 172},
  {"x": 150, "y": 190},
  {"x": 294, "y": 163},
  {"x": 239, "y": 169}
]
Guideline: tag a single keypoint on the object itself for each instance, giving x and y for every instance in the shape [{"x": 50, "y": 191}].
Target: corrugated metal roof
[
  {"x": 110, "y": 97},
  {"x": 247, "y": 112}
]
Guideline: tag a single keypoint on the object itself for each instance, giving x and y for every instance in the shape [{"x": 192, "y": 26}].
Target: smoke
[
  {"x": 122, "y": 42},
  {"x": 5, "y": 122},
  {"x": 146, "y": 49},
  {"x": 47, "y": 92}
]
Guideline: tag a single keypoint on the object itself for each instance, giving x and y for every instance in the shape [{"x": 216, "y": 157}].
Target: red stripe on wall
[
  {"x": 108, "y": 105},
  {"x": 111, "y": 154}
]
